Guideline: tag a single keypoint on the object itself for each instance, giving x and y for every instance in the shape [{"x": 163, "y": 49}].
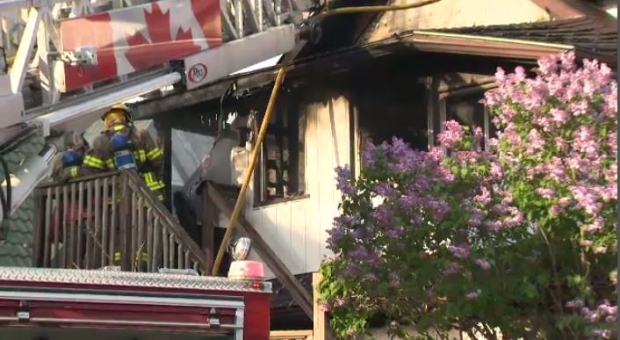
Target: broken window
[
  {"x": 467, "y": 111},
  {"x": 397, "y": 111},
  {"x": 280, "y": 171}
]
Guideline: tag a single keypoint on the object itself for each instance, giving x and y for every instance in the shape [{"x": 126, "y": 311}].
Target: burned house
[{"x": 372, "y": 76}]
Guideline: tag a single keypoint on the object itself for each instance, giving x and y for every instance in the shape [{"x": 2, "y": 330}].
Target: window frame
[
  {"x": 288, "y": 104},
  {"x": 437, "y": 118}
]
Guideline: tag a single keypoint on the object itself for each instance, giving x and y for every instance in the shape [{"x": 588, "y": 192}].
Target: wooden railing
[
  {"x": 292, "y": 335},
  {"x": 215, "y": 198},
  {"x": 110, "y": 220}
]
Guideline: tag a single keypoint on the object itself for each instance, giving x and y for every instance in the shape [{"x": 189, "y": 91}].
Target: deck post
[{"x": 319, "y": 319}]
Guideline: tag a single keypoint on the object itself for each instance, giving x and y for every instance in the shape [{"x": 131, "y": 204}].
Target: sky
[{"x": 263, "y": 64}]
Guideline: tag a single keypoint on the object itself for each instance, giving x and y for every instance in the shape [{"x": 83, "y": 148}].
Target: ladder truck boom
[{"x": 197, "y": 41}]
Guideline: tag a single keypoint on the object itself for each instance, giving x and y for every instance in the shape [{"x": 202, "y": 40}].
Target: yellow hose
[
  {"x": 372, "y": 9},
  {"x": 249, "y": 171}
]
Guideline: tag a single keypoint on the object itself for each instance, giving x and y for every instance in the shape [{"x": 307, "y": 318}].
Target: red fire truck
[{"x": 66, "y": 304}]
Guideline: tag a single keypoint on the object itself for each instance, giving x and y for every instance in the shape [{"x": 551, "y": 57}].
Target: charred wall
[{"x": 411, "y": 96}]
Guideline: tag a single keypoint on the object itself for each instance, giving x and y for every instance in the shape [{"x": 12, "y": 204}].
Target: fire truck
[
  {"x": 85, "y": 56},
  {"x": 39, "y": 303}
]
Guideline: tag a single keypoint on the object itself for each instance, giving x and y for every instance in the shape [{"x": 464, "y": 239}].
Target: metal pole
[{"x": 249, "y": 171}]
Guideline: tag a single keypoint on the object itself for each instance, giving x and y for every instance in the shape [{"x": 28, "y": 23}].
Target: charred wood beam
[
  {"x": 202, "y": 121},
  {"x": 297, "y": 291},
  {"x": 151, "y": 108}
]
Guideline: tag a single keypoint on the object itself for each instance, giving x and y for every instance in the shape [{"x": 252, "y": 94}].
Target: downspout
[{"x": 249, "y": 171}]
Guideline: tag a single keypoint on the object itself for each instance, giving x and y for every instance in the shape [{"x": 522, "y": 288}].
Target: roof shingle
[
  {"x": 583, "y": 33},
  {"x": 17, "y": 229}
]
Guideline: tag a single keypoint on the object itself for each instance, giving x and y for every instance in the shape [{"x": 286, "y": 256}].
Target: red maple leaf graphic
[{"x": 162, "y": 47}]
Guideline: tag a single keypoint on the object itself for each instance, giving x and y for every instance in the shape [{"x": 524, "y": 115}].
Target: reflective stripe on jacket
[
  {"x": 94, "y": 162},
  {"x": 74, "y": 171},
  {"x": 148, "y": 157},
  {"x": 154, "y": 154},
  {"x": 152, "y": 182}
]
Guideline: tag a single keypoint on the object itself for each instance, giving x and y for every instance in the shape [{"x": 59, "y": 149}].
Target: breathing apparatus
[
  {"x": 71, "y": 158},
  {"x": 115, "y": 122},
  {"x": 123, "y": 152}
]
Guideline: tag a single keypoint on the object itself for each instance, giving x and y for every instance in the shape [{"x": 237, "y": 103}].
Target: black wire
[
  {"x": 14, "y": 142},
  {"x": 5, "y": 199},
  {"x": 220, "y": 120}
]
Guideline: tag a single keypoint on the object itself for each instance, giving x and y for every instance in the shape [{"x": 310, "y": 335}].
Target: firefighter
[
  {"x": 122, "y": 146},
  {"x": 67, "y": 164}
]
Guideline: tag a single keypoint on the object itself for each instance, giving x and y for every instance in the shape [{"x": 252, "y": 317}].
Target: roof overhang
[
  {"x": 563, "y": 9},
  {"x": 462, "y": 44},
  {"x": 413, "y": 41}
]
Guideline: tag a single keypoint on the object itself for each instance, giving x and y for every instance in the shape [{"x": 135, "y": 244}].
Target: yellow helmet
[
  {"x": 116, "y": 112},
  {"x": 119, "y": 108}
]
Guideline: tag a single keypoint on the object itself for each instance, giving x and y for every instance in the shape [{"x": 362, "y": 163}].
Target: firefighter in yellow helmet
[{"x": 122, "y": 146}]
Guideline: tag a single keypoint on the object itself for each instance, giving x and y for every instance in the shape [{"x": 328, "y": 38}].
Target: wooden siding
[
  {"x": 455, "y": 13},
  {"x": 297, "y": 228}
]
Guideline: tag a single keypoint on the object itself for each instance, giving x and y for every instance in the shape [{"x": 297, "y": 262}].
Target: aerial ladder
[{"x": 86, "y": 55}]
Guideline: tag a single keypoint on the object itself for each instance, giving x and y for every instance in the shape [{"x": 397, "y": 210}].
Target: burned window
[
  {"x": 393, "y": 111},
  {"x": 467, "y": 111},
  {"x": 280, "y": 171}
]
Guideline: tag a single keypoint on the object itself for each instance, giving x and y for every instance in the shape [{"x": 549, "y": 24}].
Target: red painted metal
[
  {"x": 136, "y": 38},
  {"x": 258, "y": 317},
  {"x": 256, "y": 306}
]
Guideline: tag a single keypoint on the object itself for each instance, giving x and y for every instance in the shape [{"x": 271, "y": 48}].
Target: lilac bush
[{"x": 518, "y": 238}]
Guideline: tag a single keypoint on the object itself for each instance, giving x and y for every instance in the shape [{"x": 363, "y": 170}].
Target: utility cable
[{"x": 6, "y": 199}]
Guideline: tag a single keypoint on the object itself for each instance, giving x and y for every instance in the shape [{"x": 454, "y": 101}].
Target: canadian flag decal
[{"x": 136, "y": 38}]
